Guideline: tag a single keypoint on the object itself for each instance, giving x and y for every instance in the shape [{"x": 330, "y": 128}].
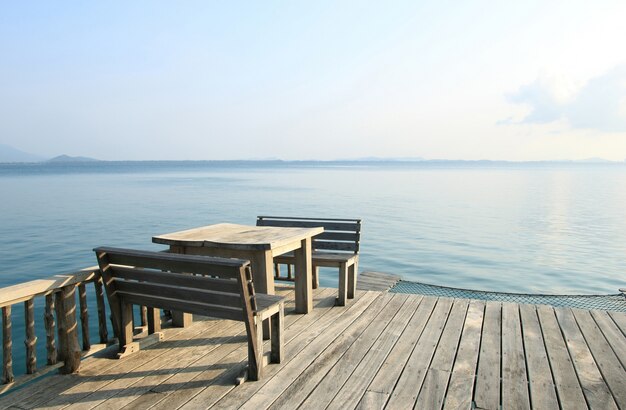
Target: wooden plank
[
  {"x": 542, "y": 389},
  {"x": 337, "y": 336},
  {"x": 610, "y": 367},
  {"x": 514, "y": 380},
  {"x": 177, "y": 279},
  {"x": 141, "y": 394},
  {"x": 204, "y": 297},
  {"x": 438, "y": 374},
  {"x": 297, "y": 337},
  {"x": 568, "y": 388},
  {"x": 101, "y": 371},
  {"x": 461, "y": 384},
  {"x": 410, "y": 382},
  {"x": 162, "y": 261},
  {"x": 620, "y": 320},
  {"x": 362, "y": 376},
  {"x": 238, "y": 237},
  {"x": 112, "y": 393},
  {"x": 384, "y": 381},
  {"x": 207, "y": 387},
  {"x": 613, "y": 335},
  {"x": 388, "y": 322},
  {"x": 487, "y": 392},
  {"x": 21, "y": 292},
  {"x": 595, "y": 389}
]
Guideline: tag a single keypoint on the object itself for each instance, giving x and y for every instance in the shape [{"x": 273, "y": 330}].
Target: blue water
[{"x": 502, "y": 227}]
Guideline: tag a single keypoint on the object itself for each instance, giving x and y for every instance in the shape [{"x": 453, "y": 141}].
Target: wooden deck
[{"x": 382, "y": 350}]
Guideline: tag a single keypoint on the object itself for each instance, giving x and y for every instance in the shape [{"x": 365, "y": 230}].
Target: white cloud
[{"x": 598, "y": 105}]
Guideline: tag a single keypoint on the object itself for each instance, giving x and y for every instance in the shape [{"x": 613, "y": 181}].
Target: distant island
[
  {"x": 67, "y": 158},
  {"x": 10, "y": 154}
]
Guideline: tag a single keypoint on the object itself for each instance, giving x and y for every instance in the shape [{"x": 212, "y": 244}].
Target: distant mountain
[
  {"x": 67, "y": 158},
  {"x": 10, "y": 154}
]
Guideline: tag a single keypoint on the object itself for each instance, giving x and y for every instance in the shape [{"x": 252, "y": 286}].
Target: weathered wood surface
[
  {"x": 376, "y": 281},
  {"x": 238, "y": 237},
  {"x": 382, "y": 350}
]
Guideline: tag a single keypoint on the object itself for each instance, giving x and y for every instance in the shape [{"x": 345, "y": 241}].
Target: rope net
[{"x": 615, "y": 303}]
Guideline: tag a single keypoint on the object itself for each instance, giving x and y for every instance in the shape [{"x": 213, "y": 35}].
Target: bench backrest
[
  {"x": 208, "y": 286},
  {"x": 343, "y": 235}
]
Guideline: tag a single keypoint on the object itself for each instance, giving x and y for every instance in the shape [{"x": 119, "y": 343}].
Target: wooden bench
[
  {"x": 207, "y": 286},
  {"x": 337, "y": 246}
]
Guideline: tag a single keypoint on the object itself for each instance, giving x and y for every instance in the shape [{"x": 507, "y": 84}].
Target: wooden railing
[{"x": 59, "y": 314}]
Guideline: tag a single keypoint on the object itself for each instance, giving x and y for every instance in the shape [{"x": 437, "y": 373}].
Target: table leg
[
  {"x": 180, "y": 319},
  {"x": 304, "y": 279},
  {"x": 262, "y": 263}
]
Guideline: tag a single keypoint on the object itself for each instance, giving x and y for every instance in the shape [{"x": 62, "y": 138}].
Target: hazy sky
[{"x": 512, "y": 80}]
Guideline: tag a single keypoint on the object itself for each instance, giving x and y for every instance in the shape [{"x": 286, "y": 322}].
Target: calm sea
[
  {"x": 548, "y": 228},
  {"x": 504, "y": 227}
]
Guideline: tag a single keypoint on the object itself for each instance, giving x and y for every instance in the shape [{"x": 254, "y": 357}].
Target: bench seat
[
  {"x": 336, "y": 247},
  {"x": 208, "y": 286}
]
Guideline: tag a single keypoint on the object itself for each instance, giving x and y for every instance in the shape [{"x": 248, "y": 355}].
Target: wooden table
[{"x": 258, "y": 244}]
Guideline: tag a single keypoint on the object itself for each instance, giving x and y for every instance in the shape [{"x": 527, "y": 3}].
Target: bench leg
[
  {"x": 343, "y": 285},
  {"x": 154, "y": 320},
  {"x": 255, "y": 359},
  {"x": 316, "y": 277},
  {"x": 278, "y": 337},
  {"x": 352, "y": 272},
  {"x": 126, "y": 330}
]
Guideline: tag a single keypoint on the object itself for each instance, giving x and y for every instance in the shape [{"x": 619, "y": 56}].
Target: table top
[{"x": 240, "y": 237}]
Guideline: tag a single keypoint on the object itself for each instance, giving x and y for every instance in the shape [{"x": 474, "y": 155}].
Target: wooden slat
[
  {"x": 50, "y": 388},
  {"x": 232, "y": 300},
  {"x": 514, "y": 380},
  {"x": 382, "y": 385},
  {"x": 438, "y": 374},
  {"x": 185, "y": 306},
  {"x": 595, "y": 389},
  {"x": 177, "y": 279},
  {"x": 613, "y": 335},
  {"x": 620, "y": 320},
  {"x": 352, "y": 391},
  {"x": 333, "y": 335},
  {"x": 208, "y": 385},
  {"x": 568, "y": 388},
  {"x": 410, "y": 382},
  {"x": 393, "y": 316},
  {"x": 487, "y": 393},
  {"x": 173, "y": 371},
  {"x": 337, "y": 236},
  {"x": 95, "y": 381},
  {"x": 612, "y": 371},
  {"x": 204, "y": 265},
  {"x": 335, "y": 246},
  {"x": 542, "y": 389},
  {"x": 462, "y": 380},
  {"x": 114, "y": 392},
  {"x": 295, "y": 223},
  {"x": 298, "y": 337}
]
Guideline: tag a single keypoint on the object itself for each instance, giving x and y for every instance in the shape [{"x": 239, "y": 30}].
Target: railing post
[
  {"x": 84, "y": 316},
  {"x": 102, "y": 316},
  {"x": 69, "y": 350},
  {"x": 31, "y": 339},
  {"x": 144, "y": 315},
  {"x": 7, "y": 344},
  {"x": 48, "y": 318}
]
